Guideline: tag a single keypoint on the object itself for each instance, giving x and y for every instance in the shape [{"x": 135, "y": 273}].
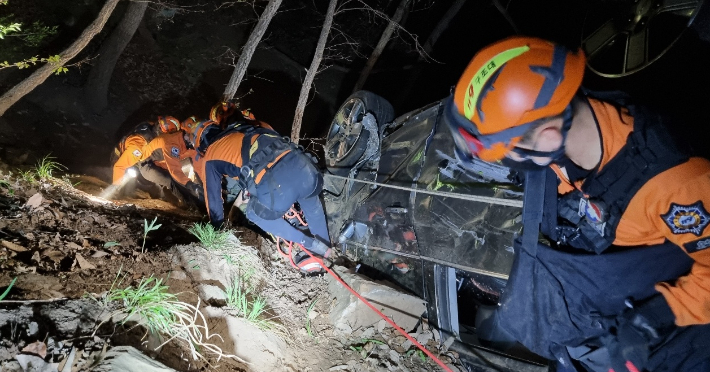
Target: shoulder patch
[
  {"x": 682, "y": 219},
  {"x": 175, "y": 152},
  {"x": 137, "y": 153},
  {"x": 697, "y": 245}
]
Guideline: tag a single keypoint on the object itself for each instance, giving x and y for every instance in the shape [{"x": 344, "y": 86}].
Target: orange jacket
[
  {"x": 671, "y": 206},
  {"x": 132, "y": 153},
  {"x": 166, "y": 151}
]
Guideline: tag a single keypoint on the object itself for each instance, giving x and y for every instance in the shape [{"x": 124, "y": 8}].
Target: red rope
[
  {"x": 287, "y": 254},
  {"x": 383, "y": 316}
]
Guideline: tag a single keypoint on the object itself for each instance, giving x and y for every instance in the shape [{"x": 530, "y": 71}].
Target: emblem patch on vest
[
  {"x": 697, "y": 245},
  {"x": 682, "y": 219},
  {"x": 175, "y": 152},
  {"x": 137, "y": 153},
  {"x": 594, "y": 213}
]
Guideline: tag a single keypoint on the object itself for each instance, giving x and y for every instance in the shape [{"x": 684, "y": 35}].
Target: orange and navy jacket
[
  {"x": 132, "y": 151},
  {"x": 670, "y": 206},
  {"x": 166, "y": 151},
  {"x": 223, "y": 158}
]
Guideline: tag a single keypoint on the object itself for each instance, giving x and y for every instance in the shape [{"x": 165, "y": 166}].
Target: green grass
[
  {"x": 211, "y": 238},
  {"x": 148, "y": 228},
  {"x": 308, "y": 317},
  {"x": 6, "y": 185},
  {"x": 9, "y": 287},
  {"x": 152, "y": 306},
  {"x": 46, "y": 166},
  {"x": 27, "y": 176},
  {"x": 250, "y": 306}
]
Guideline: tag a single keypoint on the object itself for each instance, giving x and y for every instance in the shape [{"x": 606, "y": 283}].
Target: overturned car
[{"x": 403, "y": 205}]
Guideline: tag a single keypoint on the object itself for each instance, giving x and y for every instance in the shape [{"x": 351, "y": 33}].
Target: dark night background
[{"x": 177, "y": 64}]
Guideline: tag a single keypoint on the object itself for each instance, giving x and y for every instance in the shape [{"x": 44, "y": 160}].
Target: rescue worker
[
  {"x": 221, "y": 112},
  {"x": 162, "y": 158},
  {"x": 273, "y": 172},
  {"x": 625, "y": 285},
  {"x": 129, "y": 150}
]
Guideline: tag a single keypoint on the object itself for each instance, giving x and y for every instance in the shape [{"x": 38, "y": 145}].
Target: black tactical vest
[{"x": 589, "y": 222}]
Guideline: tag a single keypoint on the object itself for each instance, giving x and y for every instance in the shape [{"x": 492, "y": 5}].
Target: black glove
[{"x": 636, "y": 330}]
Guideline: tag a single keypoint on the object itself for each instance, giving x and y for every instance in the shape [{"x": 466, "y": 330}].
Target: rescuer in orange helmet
[
  {"x": 625, "y": 285},
  {"x": 273, "y": 172},
  {"x": 222, "y": 113},
  {"x": 130, "y": 148}
]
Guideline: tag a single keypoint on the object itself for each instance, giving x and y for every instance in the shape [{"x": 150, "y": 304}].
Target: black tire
[{"x": 351, "y": 147}]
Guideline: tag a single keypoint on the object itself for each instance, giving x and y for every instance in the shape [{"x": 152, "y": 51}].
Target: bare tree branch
[{"x": 40, "y": 75}]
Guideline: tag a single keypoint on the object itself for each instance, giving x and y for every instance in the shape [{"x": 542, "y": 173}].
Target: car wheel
[{"x": 347, "y": 138}]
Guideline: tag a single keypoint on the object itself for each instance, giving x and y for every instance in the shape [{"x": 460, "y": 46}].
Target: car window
[{"x": 467, "y": 234}]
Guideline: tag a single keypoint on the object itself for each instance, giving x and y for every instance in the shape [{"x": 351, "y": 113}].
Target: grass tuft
[
  {"x": 148, "y": 228},
  {"x": 152, "y": 306},
  {"x": 27, "y": 176},
  {"x": 46, "y": 166},
  {"x": 250, "y": 306},
  {"x": 211, "y": 238}
]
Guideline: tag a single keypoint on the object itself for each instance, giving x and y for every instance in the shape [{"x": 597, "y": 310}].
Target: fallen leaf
[
  {"x": 13, "y": 247},
  {"x": 99, "y": 254},
  {"x": 35, "y": 257},
  {"x": 34, "y": 201},
  {"x": 73, "y": 245},
  {"x": 55, "y": 256},
  {"x": 83, "y": 263}
]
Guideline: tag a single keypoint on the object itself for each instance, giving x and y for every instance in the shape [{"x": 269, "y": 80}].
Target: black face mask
[{"x": 555, "y": 156}]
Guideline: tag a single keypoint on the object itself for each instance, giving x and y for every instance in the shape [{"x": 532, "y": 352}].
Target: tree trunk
[
  {"x": 42, "y": 73},
  {"x": 248, "y": 50},
  {"x": 384, "y": 39},
  {"x": 96, "y": 89},
  {"x": 311, "y": 74}
]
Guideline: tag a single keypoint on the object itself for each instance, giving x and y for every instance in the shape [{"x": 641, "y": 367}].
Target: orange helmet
[
  {"x": 168, "y": 124},
  {"x": 189, "y": 124},
  {"x": 507, "y": 88},
  {"x": 221, "y": 111},
  {"x": 196, "y": 133}
]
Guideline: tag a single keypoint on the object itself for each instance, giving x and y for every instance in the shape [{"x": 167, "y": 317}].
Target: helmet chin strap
[{"x": 555, "y": 155}]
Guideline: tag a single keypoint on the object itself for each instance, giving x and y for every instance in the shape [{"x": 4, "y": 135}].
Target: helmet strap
[{"x": 554, "y": 155}]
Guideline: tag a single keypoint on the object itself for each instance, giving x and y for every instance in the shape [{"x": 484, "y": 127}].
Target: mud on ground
[{"x": 67, "y": 246}]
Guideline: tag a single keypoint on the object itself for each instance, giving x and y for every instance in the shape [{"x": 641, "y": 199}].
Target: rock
[
  {"x": 264, "y": 351},
  {"x": 178, "y": 275},
  {"x": 11, "y": 366},
  {"x": 368, "y": 333},
  {"x": 33, "y": 363},
  {"x": 423, "y": 338},
  {"x": 212, "y": 295},
  {"x": 381, "y": 325},
  {"x": 394, "y": 356},
  {"x": 128, "y": 359},
  {"x": 403, "y": 308},
  {"x": 341, "y": 367}
]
